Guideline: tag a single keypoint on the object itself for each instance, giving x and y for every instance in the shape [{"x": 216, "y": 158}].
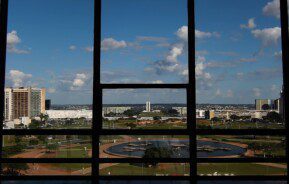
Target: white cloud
[
  {"x": 250, "y": 25},
  {"x": 170, "y": 63},
  {"x": 72, "y": 47},
  {"x": 200, "y": 34},
  {"x": 256, "y": 92},
  {"x": 110, "y": 44},
  {"x": 78, "y": 81},
  {"x": 268, "y": 36},
  {"x": 272, "y": 9},
  {"x": 18, "y": 78},
  {"x": 157, "y": 82},
  {"x": 182, "y": 33},
  {"x": 278, "y": 55},
  {"x": 12, "y": 41}
]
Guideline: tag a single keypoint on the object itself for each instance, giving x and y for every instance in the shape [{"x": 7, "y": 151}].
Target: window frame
[{"x": 96, "y": 130}]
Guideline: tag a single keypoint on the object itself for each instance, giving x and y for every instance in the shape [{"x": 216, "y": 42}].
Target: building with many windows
[{"x": 23, "y": 102}]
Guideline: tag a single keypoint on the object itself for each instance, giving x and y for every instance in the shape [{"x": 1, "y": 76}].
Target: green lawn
[
  {"x": 239, "y": 169},
  {"x": 75, "y": 152},
  {"x": 69, "y": 166},
  {"x": 127, "y": 169},
  {"x": 207, "y": 124}
]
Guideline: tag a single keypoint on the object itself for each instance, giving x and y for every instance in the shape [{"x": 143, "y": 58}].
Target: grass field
[
  {"x": 162, "y": 169},
  {"x": 207, "y": 124},
  {"x": 75, "y": 152},
  {"x": 239, "y": 169}
]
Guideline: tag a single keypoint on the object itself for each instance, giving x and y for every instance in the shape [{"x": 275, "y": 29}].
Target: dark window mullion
[
  {"x": 285, "y": 64},
  {"x": 191, "y": 92},
  {"x": 97, "y": 93},
  {"x": 3, "y": 34}
]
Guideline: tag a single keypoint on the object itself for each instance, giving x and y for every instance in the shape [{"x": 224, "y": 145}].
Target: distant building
[
  {"x": 264, "y": 104},
  {"x": 47, "y": 104},
  {"x": 23, "y": 102},
  {"x": 209, "y": 114},
  {"x": 114, "y": 110},
  {"x": 70, "y": 114},
  {"x": 181, "y": 110},
  {"x": 148, "y": 106},
  {"x": 200, "y": 113},
  {"x": 281, "y": 108}
]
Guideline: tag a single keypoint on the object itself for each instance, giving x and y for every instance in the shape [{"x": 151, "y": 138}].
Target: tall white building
[
  {"x": 23, "y": 102},
  {"x": 8, "y": 104},
  {"x": 148, "y": 106}
]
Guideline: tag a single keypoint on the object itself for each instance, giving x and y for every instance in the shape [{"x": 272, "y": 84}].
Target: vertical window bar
[
  {"x": 3, "y": 34},
  {"x": 191, "y": 90},
  {"x": 97, "y": 93},
  {"x": 285, "y": 59}
]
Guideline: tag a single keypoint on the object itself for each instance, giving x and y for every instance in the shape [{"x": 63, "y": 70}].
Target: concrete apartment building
[{"x": 23, "y": 102}]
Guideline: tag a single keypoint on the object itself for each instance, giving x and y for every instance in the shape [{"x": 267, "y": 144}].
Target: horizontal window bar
[{"x": 116, "y": 86}]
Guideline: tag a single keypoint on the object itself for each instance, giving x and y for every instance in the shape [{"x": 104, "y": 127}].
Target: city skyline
[{"x": 247, "y": 64}]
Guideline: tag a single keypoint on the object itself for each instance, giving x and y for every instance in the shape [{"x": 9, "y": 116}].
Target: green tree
[
  {"x": 155, "y": 152},
  {"x": 14, "y": 169},
  {"x": 157, "y": 118},
  {"x": 274, "y": 117},
  {"x": 51, "y": 147},
  {"x": 34, "y": 124}
]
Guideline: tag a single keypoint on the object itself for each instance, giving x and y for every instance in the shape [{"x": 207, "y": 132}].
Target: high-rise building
[
  {"x": 8, "y": 104},
  {"x": 23, "y": 102},
  {"x": 264, "y": 104},
  {"x": 148, "y": 106},
  {"x": 209, "y": 114},
  {"x": 20, "y": 103}
]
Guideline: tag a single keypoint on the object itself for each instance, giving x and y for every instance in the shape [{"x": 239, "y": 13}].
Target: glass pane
[
  {"x": 242, "y": 146},
  {"x": 48, "y": 68},
  {"x": 238, "y": 65},
  {"x": 19, "y": 169},
  {"x": 42, "y": 146},
  {"x": 144, "y": 41},
  {"x": 145, "y": 169},
  {"x": 234, "y": 169},
  {"x": 144, "y": 146},
  {"x": 144, "y": 109}
]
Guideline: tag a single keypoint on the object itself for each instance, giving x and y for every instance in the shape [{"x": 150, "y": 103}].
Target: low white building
[{"x": 72, "y": 114}]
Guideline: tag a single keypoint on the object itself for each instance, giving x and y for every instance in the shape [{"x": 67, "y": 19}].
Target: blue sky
[{"x": 237, "y": 49}]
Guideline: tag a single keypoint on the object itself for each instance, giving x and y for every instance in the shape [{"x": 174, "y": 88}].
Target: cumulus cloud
[
  {"x": 256, "y": 92},
  {"x": 170, "y": 63},
  {"x": 250, "y": 25},
  {"x": 272, "y": 9},
  {"x": 200, "y": 34},
  {"x": 18, "y": 78},
  {"x": 182, "y": 33},
  {"x": 111, "y": 44},
  {"x": 268, "y": 36},
  {"x": 72, "y": 47},
  {"x": 79, "y": 81},
  {"x": 12, "y": 41}
]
